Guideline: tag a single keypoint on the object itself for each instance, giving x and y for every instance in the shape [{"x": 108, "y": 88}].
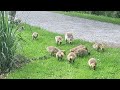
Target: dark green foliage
[
  {"x": 18, "y": 61},
  {"x": 114, "y": 14}
]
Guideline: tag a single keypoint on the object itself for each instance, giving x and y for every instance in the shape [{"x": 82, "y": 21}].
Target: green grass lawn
[
  {"x": 92, "y": 17},
  {"x": 108, "y": 62}
]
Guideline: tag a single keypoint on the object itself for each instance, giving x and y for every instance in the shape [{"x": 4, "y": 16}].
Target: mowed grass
[
  {"x": 92, "y": 17},
  {"x": 108, "y": 63}
]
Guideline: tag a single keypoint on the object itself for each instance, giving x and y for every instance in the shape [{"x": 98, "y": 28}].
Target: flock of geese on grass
[{"x": 78, "y": 51}]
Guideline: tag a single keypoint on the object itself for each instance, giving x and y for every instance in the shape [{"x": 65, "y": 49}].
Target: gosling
[{"x": 92, "y": 63}]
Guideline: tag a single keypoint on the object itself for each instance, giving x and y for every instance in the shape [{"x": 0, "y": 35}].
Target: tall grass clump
[{"x": 7, "y": 43}]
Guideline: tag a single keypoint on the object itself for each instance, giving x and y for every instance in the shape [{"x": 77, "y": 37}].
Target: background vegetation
[{"x": 103, "y": 16}]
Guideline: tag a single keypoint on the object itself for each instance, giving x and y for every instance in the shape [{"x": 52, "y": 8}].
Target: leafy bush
[{"x": 8, "y": 43}]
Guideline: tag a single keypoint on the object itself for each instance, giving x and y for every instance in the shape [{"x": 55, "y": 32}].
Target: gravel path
[{"x": 88, "y": 30}]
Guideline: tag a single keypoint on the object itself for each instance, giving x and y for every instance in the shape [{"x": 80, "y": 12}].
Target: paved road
[{"x": 88, "y": 30}]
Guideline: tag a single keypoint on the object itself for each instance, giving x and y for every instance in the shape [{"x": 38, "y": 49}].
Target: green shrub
[{"x": 7, "y": 43}]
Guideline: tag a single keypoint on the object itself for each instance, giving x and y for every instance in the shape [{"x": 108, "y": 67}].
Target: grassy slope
[
  {"x": 108, "y": 62},
  {"x": 92, "y": 17}
]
